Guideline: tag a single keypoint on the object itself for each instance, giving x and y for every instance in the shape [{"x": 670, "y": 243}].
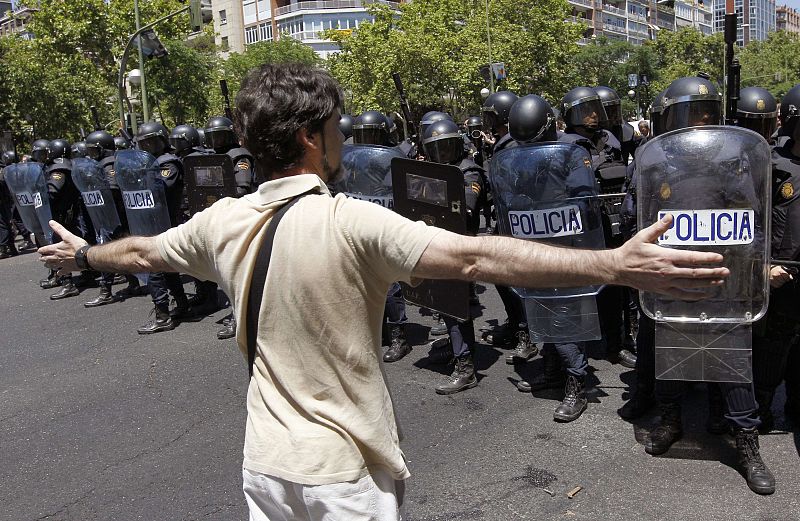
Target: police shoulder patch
[
  {"x": 57, "y": 176},
  {"x": 112, "y": 172},
  {"x": 665, "y": 192},
  {"x": 243, "y": 165},
  {"x": 587, "y": 162},
  {"x": 165, "y": 172},
  {"x": 476, "y": 188},
  {"x": 787, "y": 190}
]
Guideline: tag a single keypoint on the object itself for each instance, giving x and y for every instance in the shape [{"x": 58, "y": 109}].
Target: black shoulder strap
[{"x": 256, "y": 293}]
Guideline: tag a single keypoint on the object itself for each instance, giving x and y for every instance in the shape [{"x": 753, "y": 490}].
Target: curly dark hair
[{"x": 276, "y": 101}]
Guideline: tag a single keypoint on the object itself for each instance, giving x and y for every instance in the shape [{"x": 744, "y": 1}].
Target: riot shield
[
  {"x": 209, "y": 178},
  {"x": 139, "y": 179},
  {"x": 29, "y": 187},
  {"x": 433, "y": 193},
  {"x": 548, "y": 192},
  {"x": 715, "y": 181},
  {"x": 91, "y": 181},
  {"x": 367, "y": 173}
]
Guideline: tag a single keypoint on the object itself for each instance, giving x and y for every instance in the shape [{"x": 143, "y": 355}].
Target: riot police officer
[
  {"x": 15, "y": 221},
  {"x": 64, "y": 200},
  {"x": 775, "y": 351},
  {"x": 101, "y": 146},
  {"x": 371, "y": 128},
  {"x": 494, "y": 114},
  {"x": 585, "y": 116},
  {"x": 7, "y": 246},
  {"x": 444, "y": 143},
  {"x": 78, "y": 149},
  {"x": 346, "y": 126},
  {"x": 153, "y": 137},
  {"x": 694, "y": 102}
]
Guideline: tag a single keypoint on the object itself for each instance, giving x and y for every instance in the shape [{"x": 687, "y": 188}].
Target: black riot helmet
[
  {"x": 121, "y": 143},
  {"x": 474, "y": 126},
  {"x": 495, "y": 110},
  {"x": 39, "y": 150},
  {"x": 582, "y": 107},
  {"x": 201, "y": 134},
  {"x": 790, "y": 111},
  {"x": 531, "y": 119},
  {"x": 99, "y": 144},
  {"x": 346, "y": 125},
  {"x": 371, "y": 128},
  {"x": 758, "y": 111},
  {"x": 691, "y": 102},
  {"x": 9, "y": 157},
  {"x": 184, "y": 138},
  {"x": 443, "y": 142},
  {"x": 657, "y": 114},
  {"x": 152, "y": 137},
  {"x": 219, "y": 134},
  {"x": 78, "y": 150},
  {"x": 430, "y": 118},
  {"x": 58, "y": 149},
  {"x": 613, "y": 106}
]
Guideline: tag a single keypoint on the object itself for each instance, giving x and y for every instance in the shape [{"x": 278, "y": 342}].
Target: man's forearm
[
  {"x": 128, "y": 255},
  {"x": 507, "y": 261}
]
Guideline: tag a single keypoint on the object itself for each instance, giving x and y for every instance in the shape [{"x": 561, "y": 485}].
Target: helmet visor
[
  {"x": 447, "y": 148},
  {"x": 218, "y": 138},
  {"x": 764, "y": 126},
  {"x": 153, "y": 143},
  {"x": 94, "y": 151},
  {"x": 39, "y": 155},
  {"x": 587, "y": 113},
  {"x": 613, "y": 114},
  {"x": 370, "y": 135},
  {"x": 691, "y": 114},
  {"x": 179, "y": 143}
]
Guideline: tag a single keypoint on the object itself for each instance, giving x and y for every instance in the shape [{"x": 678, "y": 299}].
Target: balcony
[
  {"x": 666, "y": 24},
  {"x": 637, "y": 16},
  {"x": 614, "y": 10},
  {"x": 584, "y": 3},
  {"x": 330, "y": 4},
  {"x": 577, "y": 20},
  {"x": 615, "y": 29}
]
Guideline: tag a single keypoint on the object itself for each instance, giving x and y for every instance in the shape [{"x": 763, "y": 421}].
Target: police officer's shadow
[{"x": 534, "y": 369}]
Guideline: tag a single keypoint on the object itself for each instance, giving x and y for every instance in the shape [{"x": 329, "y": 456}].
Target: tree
[
  {"x": 685, "y": 53},
  {"x": 439, "y": 45},
  {"x": 773, "y": 63}
]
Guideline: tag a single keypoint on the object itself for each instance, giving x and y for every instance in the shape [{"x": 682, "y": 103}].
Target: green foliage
[
  {"x": 685, "y": 53},
  {"x": 772, "y": 64},
  {"x": 285, "y": 50},
  {"x": 439, "y": 45}
]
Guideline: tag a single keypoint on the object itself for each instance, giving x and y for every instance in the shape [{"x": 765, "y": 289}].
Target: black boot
[
  {"x": 398, "y": 348},
  {"x": 551, "y": 378},
  {"x": 182, "y": 310},
  {"x": 667, "y": 432},
  {"x": 574, "y": 402},
  {"x": 160, "y": 321},
  {"x": 525, "y": 349},
  {"x": 8, "y": 251},
  {"x": 68, "y": 289},
  {"x": 755, "y": 471},
  {"x": 52, "y": 281},
  {"x": 27, "y": 244},
  {"x": 716, "y": 423},
  {"x": 105, "y": 297},
  {"x": 228, "y": 328},
  {"x": 640, "y": 404},
  {"x": 463, "y": 377},
  {"x": 502, "y": 335}
]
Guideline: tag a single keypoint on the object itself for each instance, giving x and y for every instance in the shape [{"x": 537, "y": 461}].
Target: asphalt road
[{"x": 97, "y": 422}]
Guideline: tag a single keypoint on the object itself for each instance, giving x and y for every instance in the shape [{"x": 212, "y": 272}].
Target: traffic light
[{"x": 199, "y": 14}]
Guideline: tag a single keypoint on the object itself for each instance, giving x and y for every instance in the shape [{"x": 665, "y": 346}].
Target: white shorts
[{"x": 371, "y": 498}]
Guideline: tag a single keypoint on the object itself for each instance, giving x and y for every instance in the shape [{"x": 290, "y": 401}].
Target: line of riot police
[
  {"x": 572, "y": 176},
  {"x": 106, "y": 187}
]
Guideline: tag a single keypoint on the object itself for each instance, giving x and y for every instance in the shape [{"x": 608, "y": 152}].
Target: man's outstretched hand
[
  {"x": 61, "y": 256},
  {"x": 679, "y": 273}
]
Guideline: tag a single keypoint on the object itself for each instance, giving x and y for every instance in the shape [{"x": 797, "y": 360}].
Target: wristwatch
[{"x": 80, "y": 258}]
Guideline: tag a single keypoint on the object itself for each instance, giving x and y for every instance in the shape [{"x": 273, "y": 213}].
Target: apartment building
[
  {"x": 756, "y": 19},
  {"x": 787, "y": 19},
  {"x": 14, "y": 22},
  {"x": 638, "y": 20}
]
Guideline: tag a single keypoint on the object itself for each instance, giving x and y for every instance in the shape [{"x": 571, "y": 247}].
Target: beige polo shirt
[{"x": 318, "y": 408}]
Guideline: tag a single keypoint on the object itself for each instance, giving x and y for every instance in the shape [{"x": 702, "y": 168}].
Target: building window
[
  {"x": 225, "y": 46},
  {"x": 223, "y": 17}
]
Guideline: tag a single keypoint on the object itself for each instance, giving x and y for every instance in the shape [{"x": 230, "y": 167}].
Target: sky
[{"x": 790, "y": 3}]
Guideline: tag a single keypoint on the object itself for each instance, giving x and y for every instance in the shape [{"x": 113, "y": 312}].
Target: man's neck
[{"x": 300, "y": 169}]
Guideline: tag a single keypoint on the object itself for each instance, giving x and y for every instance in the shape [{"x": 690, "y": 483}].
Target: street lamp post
[
  {"x": 145, "y": 105},
  {"x": 489, "y": 46}
]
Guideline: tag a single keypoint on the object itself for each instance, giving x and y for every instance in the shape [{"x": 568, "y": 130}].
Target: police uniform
[
  {"x": 163, "y": 284},
  {"x": 7, "y": 247},
  {"x": 243, "y": 171},
  {"x": 775, "y": 353}
]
